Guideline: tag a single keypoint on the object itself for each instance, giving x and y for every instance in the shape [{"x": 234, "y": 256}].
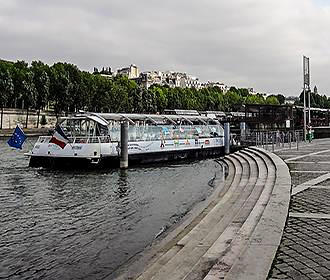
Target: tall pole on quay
[
  {"x": 304, "y": 113},
  {"x": 309, "y": 107},
  {"x": 306, "y": 80}
]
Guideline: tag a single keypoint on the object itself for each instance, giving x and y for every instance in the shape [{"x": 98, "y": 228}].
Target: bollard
[
  {"x": 297, "y": 139},
  {"x": 289, "y": 139},
  {"x": 243, "y": 131},
  {"x": 124, "y": 145},
  {"x": 256, "y": 139},
  {"x": 227, "y": 138}
]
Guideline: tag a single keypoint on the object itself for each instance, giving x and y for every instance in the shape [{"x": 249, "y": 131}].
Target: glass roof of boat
[{"x": 104, "y": 118}]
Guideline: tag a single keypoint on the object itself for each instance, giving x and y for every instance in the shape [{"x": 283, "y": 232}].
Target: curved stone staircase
[{"x": 237, "y": 234}]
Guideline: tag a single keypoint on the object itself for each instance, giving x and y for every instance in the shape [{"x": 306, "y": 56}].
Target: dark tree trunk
[
  {"x": 1, "y": 117},
  {"x": 38, "y": 117},
  {"x": 27, "y": 117}
]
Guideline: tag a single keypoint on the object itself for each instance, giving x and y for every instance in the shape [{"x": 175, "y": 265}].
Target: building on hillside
[
  {"x": 182, "y": 80},
  {"x": 220, "y": 85},
  {"x": 290, "y": 100},
  {"x": 105, "y": 72},
  {"x": 132, "y": 72},
  {"x": 193, "y": 82},
  {"x": 169, "y": 78},
  {"x": 6, "y": 61},
  {"x": 150, "y": 78}
]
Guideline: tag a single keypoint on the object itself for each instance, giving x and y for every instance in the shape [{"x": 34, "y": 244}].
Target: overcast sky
[{"x": 247, "y": 43}]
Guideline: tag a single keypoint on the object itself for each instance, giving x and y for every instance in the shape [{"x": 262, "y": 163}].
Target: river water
[{"x": 85, "y": 224}]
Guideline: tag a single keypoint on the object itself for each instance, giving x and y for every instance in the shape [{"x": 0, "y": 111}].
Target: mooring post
[
  {"x": 243, "y": 131},
  {"x": 124, "y": 145},
  {"x": 297, "y": 139},
  {"x": 290, "y": 139},
  {"x": 227, "y": 138},
  {"x": 256, "y": 133}
]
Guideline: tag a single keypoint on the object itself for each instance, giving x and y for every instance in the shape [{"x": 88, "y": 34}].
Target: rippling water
[{"x": 85, "y": 224}]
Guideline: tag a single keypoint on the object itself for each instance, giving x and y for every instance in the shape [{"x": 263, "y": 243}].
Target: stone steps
[
  {"x": 263, "y": 189},
  {"x": 219, "y": 242},
  {"x": 235, "y": 171},
  {"x": 215, "y": 224}
]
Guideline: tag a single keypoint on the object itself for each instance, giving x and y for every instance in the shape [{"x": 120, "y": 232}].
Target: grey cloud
[{"x": 254, "y": 43}]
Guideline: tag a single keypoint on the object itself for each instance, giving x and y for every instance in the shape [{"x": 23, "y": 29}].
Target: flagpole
[{"x": 32, "y": 145}]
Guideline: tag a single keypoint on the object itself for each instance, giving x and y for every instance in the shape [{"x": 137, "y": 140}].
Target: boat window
[
  {"x": 166, "y": 132},
  {"x": 80, "y": 128}
]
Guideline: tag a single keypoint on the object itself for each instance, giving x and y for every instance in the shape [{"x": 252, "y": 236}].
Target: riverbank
[{"x": 29, "y": 132}]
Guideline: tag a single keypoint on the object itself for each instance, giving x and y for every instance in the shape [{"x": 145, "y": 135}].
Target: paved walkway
[{"x": 304, "y": 252}]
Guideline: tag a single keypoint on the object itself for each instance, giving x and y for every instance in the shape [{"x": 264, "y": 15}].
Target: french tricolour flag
[{"x": 59, "y": 137}]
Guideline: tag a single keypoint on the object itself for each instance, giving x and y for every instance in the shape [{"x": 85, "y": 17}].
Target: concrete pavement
[{"x": 304, "y": 252}]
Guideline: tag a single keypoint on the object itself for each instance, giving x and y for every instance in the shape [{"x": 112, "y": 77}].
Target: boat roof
[{"x": 105, "y": 118}]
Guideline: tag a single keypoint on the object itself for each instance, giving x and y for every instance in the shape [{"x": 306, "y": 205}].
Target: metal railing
[
  {"x": 271, "y": 140},
  {"x": 77, "y": 140},
  {"x": 89, "y": 140}
]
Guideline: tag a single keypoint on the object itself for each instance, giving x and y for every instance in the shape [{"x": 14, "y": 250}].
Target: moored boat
[{"x": 94, "y": 139}]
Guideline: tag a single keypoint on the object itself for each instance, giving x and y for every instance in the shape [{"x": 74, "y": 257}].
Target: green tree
[
  {"x": 6, "y": 88},
  {"x": 59, "y": 88},
  {"x": 18, "y": 73},
  {"x": 74, "y": 95},
  {"x": 42, "y": 83},
  {"x": 272, "y": 100},
  {"x": 255, "y": 99},
  {"x": 280, "y": 98},
  {"x": 232, "y": 101},
  {"x": 28, "y": 94},
  {"x": 244, "y": 92},
  {"x": 160, "y": 98},
  {"x": 88, "y": 90}
]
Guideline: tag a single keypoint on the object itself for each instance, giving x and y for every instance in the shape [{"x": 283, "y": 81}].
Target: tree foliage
[
  {"x": 66, "y": 89},
  {"x": 317, "y": 100}
]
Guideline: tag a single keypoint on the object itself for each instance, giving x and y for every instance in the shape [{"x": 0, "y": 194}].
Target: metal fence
[{"x": 269, "y": 140}]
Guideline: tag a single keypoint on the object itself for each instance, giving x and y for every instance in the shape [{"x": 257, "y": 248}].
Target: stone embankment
[
  {"x": 13, "y": 117},
  {"x": 30, "y": 132},
  {"x": 235, "y": 235}
]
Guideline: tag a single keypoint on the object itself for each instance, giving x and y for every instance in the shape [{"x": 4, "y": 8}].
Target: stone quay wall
[{"x": 13, "y": 117}]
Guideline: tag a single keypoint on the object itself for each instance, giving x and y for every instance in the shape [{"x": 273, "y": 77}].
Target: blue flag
[{"x": 17, "y": 139}]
